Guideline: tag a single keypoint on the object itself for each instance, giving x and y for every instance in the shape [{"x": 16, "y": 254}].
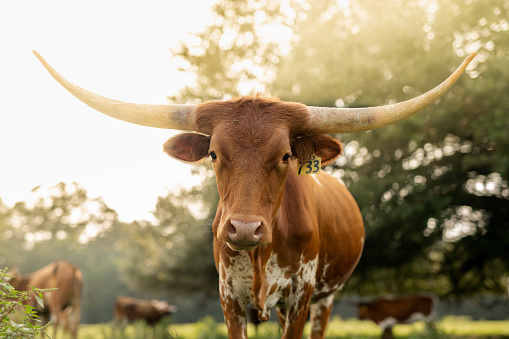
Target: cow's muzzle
[{"x": 244, "y": 233}]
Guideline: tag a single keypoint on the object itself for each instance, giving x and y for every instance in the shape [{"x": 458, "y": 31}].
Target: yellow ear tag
[{"x": 312, "y": 166}]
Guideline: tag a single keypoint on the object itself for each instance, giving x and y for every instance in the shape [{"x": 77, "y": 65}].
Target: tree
[
  {"x": 174, "y": 252},
  {"x": 238, "y": 52},
  {"x": 416, "y": 180},
  {"x": 63, "y": 223},
  {"x": 433, "y": 189}
]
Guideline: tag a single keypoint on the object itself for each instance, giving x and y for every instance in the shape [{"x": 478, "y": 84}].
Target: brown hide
[
  {"x": 400, "y": 308},
  {"x": 279, "y": 239},
  {"x": 63, "y": 304},
  {"x": 151, "y": 311}
]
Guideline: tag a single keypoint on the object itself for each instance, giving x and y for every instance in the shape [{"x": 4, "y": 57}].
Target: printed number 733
[{"x": 310, "y": 167}]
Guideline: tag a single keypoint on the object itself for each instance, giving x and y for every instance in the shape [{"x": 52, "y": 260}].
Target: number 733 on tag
[{"x": 312, "y": 166}]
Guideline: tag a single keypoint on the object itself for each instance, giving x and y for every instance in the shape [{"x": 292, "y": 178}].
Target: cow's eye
[
  {"x": 213, "y": 155},
  {"x": 286, "y": 157}
]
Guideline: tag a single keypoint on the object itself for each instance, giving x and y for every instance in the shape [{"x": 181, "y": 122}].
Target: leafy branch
[{"x": 10, "y": 301}]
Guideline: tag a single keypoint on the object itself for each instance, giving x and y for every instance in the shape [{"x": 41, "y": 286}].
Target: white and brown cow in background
[
  {"x": 391, "y": 310},
  {"x": 280, "y": 239},
  {"x": 63, "y": 305},
  {"x": 128, "y": 309}
]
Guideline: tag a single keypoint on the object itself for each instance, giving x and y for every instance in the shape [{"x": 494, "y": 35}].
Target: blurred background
[{"x": 81, "y": 187}]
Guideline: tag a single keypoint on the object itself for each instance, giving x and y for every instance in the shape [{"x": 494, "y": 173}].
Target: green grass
[{"x": 207, "y": 328}]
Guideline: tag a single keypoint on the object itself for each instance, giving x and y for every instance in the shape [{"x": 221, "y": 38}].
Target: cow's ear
[
  {"x": 323, "y": 146},
  {"x": 188, "y": 147}
]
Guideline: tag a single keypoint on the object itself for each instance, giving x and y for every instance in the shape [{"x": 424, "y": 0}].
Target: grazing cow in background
[
  {"x": 281, "y": 239},
  {"x": 388, "y": 311},
  {"x": 131, "y": 309},
  {"x": 62, "y": 305}
]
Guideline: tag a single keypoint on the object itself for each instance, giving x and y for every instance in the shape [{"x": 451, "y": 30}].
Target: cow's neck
[{"x": 273, "y": 265}]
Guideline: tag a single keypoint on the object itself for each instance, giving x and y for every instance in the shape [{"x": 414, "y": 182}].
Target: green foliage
[
  {"x": 427, "y": 223},
  {"x": 207, "y": 328},
  {"x": 174, "y": 252},
  {"x": 433, "y": 189},
  {"x": 15, "y": 326},
  {"x": 236, "y": 53},
  {"x": 64, "y": 223}
]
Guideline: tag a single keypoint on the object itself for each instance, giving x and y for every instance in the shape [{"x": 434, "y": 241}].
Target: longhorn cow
[{"x": 280, "y": 239}]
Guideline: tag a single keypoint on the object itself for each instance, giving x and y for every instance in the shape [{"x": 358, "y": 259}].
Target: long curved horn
[
  {"x": 181, "y": 117},
  {"x": 346, "y": 120}
]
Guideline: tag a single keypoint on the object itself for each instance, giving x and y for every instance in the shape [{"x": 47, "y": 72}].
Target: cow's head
[
  {"x": 163, "y": 308},
  {"x": 251, "y": 142}
]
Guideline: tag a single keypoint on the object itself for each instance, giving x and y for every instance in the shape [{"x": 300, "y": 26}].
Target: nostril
[
  {"x": 258, "y": 232},
  {"x": 232, "y": 230}
]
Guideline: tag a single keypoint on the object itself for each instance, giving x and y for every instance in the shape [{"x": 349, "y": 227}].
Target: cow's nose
[{"x": 245, "y": 234}]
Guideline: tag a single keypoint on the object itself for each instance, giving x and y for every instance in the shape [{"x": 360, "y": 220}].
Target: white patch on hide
[
  {"x": 417, "y": 316},
  {"x": 316, "y": 312},
  {"x": 238, "y": 282},
  {"x": 304, "y": 276},
  {"x": 274, "y": 275},
  {"x": 387, "y": 322},
  {"x": 324, "y": 285}
]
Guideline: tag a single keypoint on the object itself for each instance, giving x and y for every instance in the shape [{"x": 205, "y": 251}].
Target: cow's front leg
[
  {"x": 234, "y": 310},
  {"x": 235, "y": 317},
  {"x": 297, "y": 309}
]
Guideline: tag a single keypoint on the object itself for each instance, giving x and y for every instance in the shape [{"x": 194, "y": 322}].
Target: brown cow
[
  {"x": 388, "y": 311},
  {"x": 280, "y": 239},
  {"x": 131, "y": 309},
  {"x": 62, "y": 305}
]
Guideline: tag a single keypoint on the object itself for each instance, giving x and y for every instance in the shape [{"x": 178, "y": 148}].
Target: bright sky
[{"x": 119, "y": 49}]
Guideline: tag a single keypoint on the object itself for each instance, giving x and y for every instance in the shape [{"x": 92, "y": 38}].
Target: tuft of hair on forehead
[{"x": 250, "y": 110}]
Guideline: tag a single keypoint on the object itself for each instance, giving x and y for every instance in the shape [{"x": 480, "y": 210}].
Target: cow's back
[{"x": 64, "y": 276}]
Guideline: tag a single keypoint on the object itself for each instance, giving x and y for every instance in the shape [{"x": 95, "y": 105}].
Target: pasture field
[{"x": 207, "y": 328}]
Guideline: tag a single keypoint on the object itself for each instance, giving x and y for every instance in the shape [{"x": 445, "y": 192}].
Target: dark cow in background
[
  {"x": 389, "y": 311},
  {"x": 281, "y": 239},
  {"x": 128, "y": 309},
  {"x": 63, "y": 305}
]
